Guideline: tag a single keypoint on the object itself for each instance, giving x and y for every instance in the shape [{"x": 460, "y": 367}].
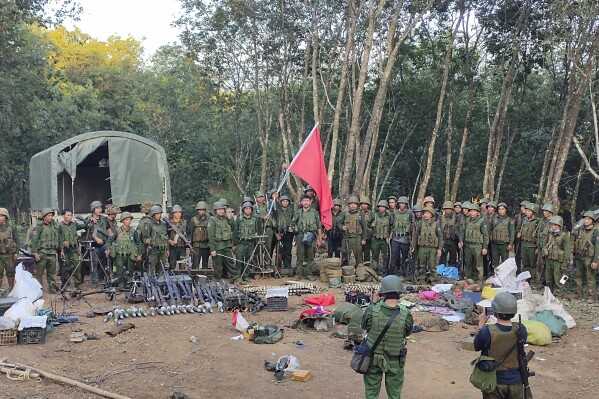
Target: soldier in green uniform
[
  {"x": 124, "y": 246},
  {"x": 335, "y": 234},
  {"x": 314, "y": 201},
  {"x": 381, "y": 236},
  {"x": 306, "y": 225},
  {"x": 429, "y": 240},
  {"x": 69, "y": 249},
  {"x": 368, "y": 219},
  {"x": 518, "y": 219},
  {"x": 529, "y": 236},
  {"x": 401, "y": 233},
  {"x": 416, "y": 216},
  {"x": 475, "y": 240},
  {"x": 44, "y": 245},
  {"x": 558, "y": 255},
  {"x": 199, "y": 236},
  {"x": 429, "y": 202},
  {"x": 489, "y": 217},
  {"x": 483, "y": 206},
  {"x": 220, "y": 238},
  {"x": 245, "y": 240},
  {"x": 544, "y": 228},
  {"x": 502, "y": 235},
  {"x": 355, "y": 230},
  {"x": 9, "y": 248},
  {"x": 155, "y": 236},
  {"x": 389, "y": 356},
  {"x": 457, "y": 209},
  {"x": 96, "y": 227},
  {"x": 141, "y": 225},
  {"x": 177, "y": 249},
  {"x": 449, "y": 227},
  {"x": 267, "y": 220},
  {"x": 284, "y": 219},
  {"x": 392, "y": 201},
  {"x": 111, "y": 223},
  {"x": 586, "y": 257}
]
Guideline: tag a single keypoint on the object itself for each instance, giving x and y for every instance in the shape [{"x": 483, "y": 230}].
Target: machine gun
[
  {"x": 180, "y": 234},
  {"x": 523, "y": 359},
  {"x": 163, "y": 309}
]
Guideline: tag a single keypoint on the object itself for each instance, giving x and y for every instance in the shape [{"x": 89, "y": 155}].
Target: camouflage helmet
[
  {"x": 429, "y": 198},
  {"x": 457, "y": 203},
  {"x": 46, "y": 211},
  {"x": 364, "y": 200},
  {"x": 557, "y": 220},
  {"x": 337, "y": 202},
  {"x": 483, "y": 200},
  {"x": 112, "y": 209},
  {"x": 448, "y": 205},
  {"x": 428, "y": 209},
  {"x": 474, "y": 207},
  {"x": 402, "y": 200},
  {"x": 353, "y": 200},
  {"x": 218, "y": 205},
  {"x": 417, "y": 208},
  {"x": 201, "y": 205},
  {"x": 504, "y": 303},
  {"x": 246, "y": 205},
  {"x": 125, "y": 215},
  {"x": 587, "y": 214},
  {"x": 145, "y": 206},
  {"x": 548, "y": 207},
  {"x": 502, "y": 204},
  {"x": 248, "y": 199},
  {"x": 176, "y": 208},
  {"x": 283, "y": 198},
  {"x": 224, "y": 202},
  {"x": 155, "y": 209},
  {"x": 391, "y": 283},
  {"x": 392, "y": 197},
  {"x": 94, "y": 205},
  {"x": 4, "y": 212},
  {"x": 383, "y": 203}
]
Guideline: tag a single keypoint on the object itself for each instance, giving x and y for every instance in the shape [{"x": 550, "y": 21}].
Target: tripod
[
  {"x": 88, "y": 256},
  {"x": 261, "y": 260}
]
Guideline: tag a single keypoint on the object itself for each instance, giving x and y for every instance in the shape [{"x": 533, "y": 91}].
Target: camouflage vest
[
  {"x": 448, "y": 227},
  {"x": 555, "y": 246},
  {"x": 48, "y": 238},
  {"x": 428, "y": 235},
  {"x": 181, "y": 225},
  {"x": 394, "y": 339},
  {"x": 200, "y": 229},
  {"x": 500, "y": 232},
  {"x": 247, "y": 228},
  {"x": 473, "y": 233},
  {"x": 285, "y": 218},
  {"x": 529, "y": 231},
  {"x": 261, "y": 211},
  {"x": 158, "y": 235},
  {"x": 124, "y": 244},
  {"x": 222, "y": 228},
  {"x": 583, "y": 245},
  {"x": 7, "y": 243},
  {"x": 368, "y": 219},
  {"x": 352, "y": 221},
  {"x": 145, "y": 220},
  {"x": 501, "y": 342},
  {"x": 308, "y": 221},
  {"x": 336, "y": 220},
  {"x": 69, "y": 233},
  {"x": 401, "y": 223},
  {"x": 381, "y": 226}
]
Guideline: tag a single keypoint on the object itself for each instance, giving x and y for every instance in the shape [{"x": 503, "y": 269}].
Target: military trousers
[
  {"x": 269, "y": 240},
  {"x": 305, "y": 253},
  {"x": 449, "y": 254},
  {"x": 223, "y": 260},
  {"x": 400, "y": 252},
  {"x": 287, "y": 241},
  {"x": 380, "y": 247},
  {"x": 354, "y": 246},
  {"x": 334, "y": 243},
  {"x": 554, "y": 270},
  {"x": 427, "y": 262},
  {"x": 7, "y": 266},
  {"x": 48, "y": 264},
  {"x": 389, "y": 368},
  {"x": 515, "y": 391},
  {"x": 518, "y": 253},
  {"x": 175, "y": 254},
  {"x": 366, "y": 250},
  {"x": 202, "y": 253},
  {"x": 473, "y": 259},
  {"x": 585, "y": 272},
  {"x": 98, "y": 261},
  {"x": 243, "y": 253},
  {"x": 499, "y": 253},
  {"x": 69, "y": 267},
  {"x": 158, "y": 262},
  {"x": 528, "y": 258},
  {"x": 124, "y": 270}
]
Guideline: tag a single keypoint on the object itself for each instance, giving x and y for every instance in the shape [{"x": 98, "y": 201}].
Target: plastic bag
[
  {"x": 292, "y": 365},
  {"x": 553, "y": 304},
  {"x": 5, "y": 322},
  {"x": 239, "y": 322},
  {"x": 538, "y": 333},
  {"x": 556, "y": 324},
  {"x": 23, "y": 308},
  {"x": 25, "y": 285}
]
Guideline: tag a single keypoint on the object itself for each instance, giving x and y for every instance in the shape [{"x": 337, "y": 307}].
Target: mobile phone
[{"x": 489, "y": 311}]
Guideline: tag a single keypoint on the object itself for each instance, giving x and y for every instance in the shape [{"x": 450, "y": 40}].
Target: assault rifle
[
  {"x": 173, "y": 291},
  {"x": 180, "y": 234},
  {"x": 30, "y": 255},
  {"x": 96, "y": 228},
  {"x": 523, "y": 359}
]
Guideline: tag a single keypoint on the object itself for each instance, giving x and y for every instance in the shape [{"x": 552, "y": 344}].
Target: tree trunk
[
  {"x": 575, "y": 193},
  {"x": 383, "y": 153},
  {"x": 510, "y": 141},
  {"x": 431, "y": 146},
  {"x": 448, "y": 162}
]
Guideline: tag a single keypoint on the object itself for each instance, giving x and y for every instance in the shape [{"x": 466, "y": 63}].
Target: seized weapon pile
[
  {"x": 365, "y": 288},
  {"x": 295, "y": 288}
]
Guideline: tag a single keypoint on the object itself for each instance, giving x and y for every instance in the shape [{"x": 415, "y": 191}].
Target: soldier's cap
[
  {"x": 248, "y": 199},
  {"x": 308, "y": 188},
  {"x": 176, "y": 208},
  {"x": 403, "y": 200},
  {"x": 417, "y": 208},
  {"x": 112, "y": 209},
  {"x": 474, "y": 207},
  {"x": 532, "y": 207},
  {"x": 259, "y": 194},
  {"x": 457, "y": 203},
  {"x": 224, "y": 201},
  {"x": 218, "y": 205},
  {"x": 492, "y": 204},
  {"x": 448, "y": 205},
  {"x": 353, "y": 200},
  {"x": 429, "y": 198},
  {"x": 125, "y": 215},
  {"x": 590, "y": 214},
  {"x": 523, "y": 203},
  {"x": 4, "y": 212},
  {"x": 46, "y": 211},
  {"x": 272, "y": 191},
  {"x": 364, "y": 200},
  {"x": 383, "y": 203},
  {"x": 502, "y": 204},
  {"x": 145, "y": 206},
  {"x": 483, "y": 201},
  {"x": 337, "y": 202},
  {"x": 246, "y": 205},
  {"x": 429, "y": 209},
  {"x": 284, "y": 198}
]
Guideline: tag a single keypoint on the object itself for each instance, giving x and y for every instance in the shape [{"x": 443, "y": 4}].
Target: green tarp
[{"x": 138, "y": 168}]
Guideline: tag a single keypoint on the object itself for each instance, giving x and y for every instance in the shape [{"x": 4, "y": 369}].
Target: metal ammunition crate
[
  {"x": 34, "y": 335},
  {"x": 276, "y": 303}
]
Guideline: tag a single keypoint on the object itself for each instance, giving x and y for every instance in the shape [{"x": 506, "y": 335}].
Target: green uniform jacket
[
  {"x": 157, "y": 232},
  {"x": 9, "y": 239},
  {"x": 246, "y": 229},
  {"x": 360, "y": 225},
  {"x": 142, "y": 224},
  {"x": 68, "y": 232},
  {"x": 45, "y": 238},
  {"x": 125, "y": 242},
  {"x": 261, "y": 210},
  {"x": 395, "y": 337},
  {"x": 585, "y": 243},
  {"x": 220, "y": 232},
  {"x": 199, "y": 231},
  {"x": 530, "y": 231},
  {"x": 449, "y": 227},
  {"x": 337, "y": 226},
  {"x": 381, "y": 226},
  {"x": 502, "y": 230},
  {"x": 558, "y": 246},
  {"x": 428, "y": 234},
  {"x": 304, "y": 221},
  {"x": 90, "y": 228},
  {"x": 368, "y": 219},
  {"x": 284, "y": 219},
  {"x": 475, "y": 232}
]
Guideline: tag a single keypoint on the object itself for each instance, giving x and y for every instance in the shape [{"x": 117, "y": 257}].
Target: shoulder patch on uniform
[
  {"x": 146, "y": 226},
  {"x": 34, "y": 232},
  {"x": 208, "y": 224},
  {"x": 512, "y": 222}
]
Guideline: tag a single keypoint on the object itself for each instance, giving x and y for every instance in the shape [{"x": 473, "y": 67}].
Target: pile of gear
[{"x": 295, "y": 288}]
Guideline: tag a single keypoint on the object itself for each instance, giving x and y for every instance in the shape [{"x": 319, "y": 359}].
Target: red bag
[{"x": 321, "y": 300}]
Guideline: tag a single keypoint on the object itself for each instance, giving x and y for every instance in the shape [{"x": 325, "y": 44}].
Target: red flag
[{"x": 309, "y": 165}]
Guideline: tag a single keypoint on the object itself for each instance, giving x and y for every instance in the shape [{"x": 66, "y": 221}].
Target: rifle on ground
[
  {"x": 180, "y": 234},
  {"x": 462, "y": 263},
  {"x": 172, "y": 289},
  {"x": 523, "y": 359}
]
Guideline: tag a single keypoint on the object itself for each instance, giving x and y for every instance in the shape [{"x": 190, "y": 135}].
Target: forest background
[{"x": 494, "y": 98}]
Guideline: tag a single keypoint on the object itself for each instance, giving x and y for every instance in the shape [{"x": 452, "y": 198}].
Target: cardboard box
[{"x": 301, "y": 375}]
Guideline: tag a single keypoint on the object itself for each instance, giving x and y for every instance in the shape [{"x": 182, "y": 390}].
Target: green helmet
[
  {"x": 383, "y": 203},
  {"x": 246, "y": 205},
  {"x": 155, "y": 209},
  {"x": 492, "y": 204},
  {"x": 392, "y": 197},
  {"x": 94, "y": 205},
  {"x": 353, "y": 200},
  {"x": 483, "y": 201},
  {"x": 125, "y": 215},
  {"x": 248, "y": 199},
  {"x": 502, "y": 204},
  {"x": 557, "y": 220},
  {"x": 337, "y": 202},
  {"x": 429, "y": 209},
  {"x": 259, "y": 194},
  {"x": 308, "y": 188},
  {"x": 218, "y": 205},
  {"x": 402, "y": 200},
  {"x": 533, "y": 207},
  {"x": 474, "y": 207},
  {"x": 417, "y": 208},
  {"x": 391, "y": 283},
  {"x": 202, "y": 205},
  {"x": 524, "y": 203},
  {"x": 466, "y": 205},
  {"x": 364, "y": 200},
  {"x": 224, "y": 202},
  {"x": 504, "y": 303},
  {"x": 587, "y": 214},
  {"x": 177, "y": 208},
  {"x": 548, "y": 207},
  {"x": 429, "y": 198},
  {"x": 284, "y": 197},
  {"x": 4, "y": 212},
  {"x": 448, "y": 205},
  {"x": 46, "y": 211},
  {"x": 457, "y": 203}
]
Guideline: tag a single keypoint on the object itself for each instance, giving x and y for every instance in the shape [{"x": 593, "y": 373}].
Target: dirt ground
[{"x": 158, "y": 359}]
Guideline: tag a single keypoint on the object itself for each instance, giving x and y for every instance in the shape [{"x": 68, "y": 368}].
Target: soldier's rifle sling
[{"x": 181, "y": 235}]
